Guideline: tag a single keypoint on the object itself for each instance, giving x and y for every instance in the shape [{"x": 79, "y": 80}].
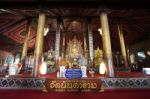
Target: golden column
[
  {"x": 122, "y": 44},
  {"x": 85, "y": 46},
  {"x": 106, "y": 44},
  {"x": 39, "y": 44},
  {"x": 26, "y": 41},
  {"x": 63, "y": 45}
]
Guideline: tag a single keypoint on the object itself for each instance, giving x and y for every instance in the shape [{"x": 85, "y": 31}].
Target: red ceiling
[
  {"x": 15, "y": 33},
  {"x": 6, "y": 21}
]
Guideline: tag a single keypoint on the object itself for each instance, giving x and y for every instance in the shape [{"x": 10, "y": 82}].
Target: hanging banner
[{"x": 73, "y": 85}]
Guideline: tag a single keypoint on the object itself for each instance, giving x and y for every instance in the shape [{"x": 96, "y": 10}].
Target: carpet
[{"x": 108, "y": 94}]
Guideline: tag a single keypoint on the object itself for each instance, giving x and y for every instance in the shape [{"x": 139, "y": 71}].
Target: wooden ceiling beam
[
  {"x": 61, "y": 11},
  {"x": 54, "y": 12},
  {"x": 11, "y": 12},
  {"x": 22, "y": 13},
  {"x": 135, "y": 25},
  {"x": 113, "y": 4}
]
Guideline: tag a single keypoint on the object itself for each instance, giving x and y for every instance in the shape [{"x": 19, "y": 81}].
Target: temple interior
[
  {"x": 74, "y": 36},
  {"x": 72, "y": 49}
]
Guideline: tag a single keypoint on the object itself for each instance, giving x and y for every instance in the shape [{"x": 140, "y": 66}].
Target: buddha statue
[
  {"x": 98, "y": 57},
  {"x": 83, "y": 61},
  {"x": 74, "y": 48},
  {"x": 75, "y": 63},
  {"x": 49, "y": 59}
]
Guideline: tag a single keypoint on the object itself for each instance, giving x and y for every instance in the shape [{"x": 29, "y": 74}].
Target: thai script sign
[{"x": 73, "y": 85}]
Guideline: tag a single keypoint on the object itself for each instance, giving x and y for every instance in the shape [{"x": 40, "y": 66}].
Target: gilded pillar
[
  {"x": 39, "y": 44},
  {"x": 106, "y": 44},
  {"x": 26, "y": 41},
  {"x": 85, "y": 46},
  {"x": 122, "y": 44},
  {"x": 63, "y": 45}
]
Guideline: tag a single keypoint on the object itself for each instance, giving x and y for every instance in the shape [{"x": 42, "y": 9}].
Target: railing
[{"x": 108, "y": 83}]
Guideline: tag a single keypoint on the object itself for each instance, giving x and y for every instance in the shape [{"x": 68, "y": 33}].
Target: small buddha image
[
  {"x": 49, "y": 59},
  {"x": 75, "y": 63},
  {"x": 83, "y": 61},
  {"x": 62, "y": 62}
]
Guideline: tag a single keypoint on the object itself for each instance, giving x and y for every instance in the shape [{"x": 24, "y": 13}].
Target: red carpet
[
  {"x": 117, "y": 74},
  {"x": 113, "y": 94},
  {"x": 129, "y": 74}
]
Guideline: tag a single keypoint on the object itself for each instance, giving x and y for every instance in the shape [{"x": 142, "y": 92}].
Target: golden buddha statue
[
  {"x": 98, "y": 57},
  {"x": 74, "y": 48}
]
